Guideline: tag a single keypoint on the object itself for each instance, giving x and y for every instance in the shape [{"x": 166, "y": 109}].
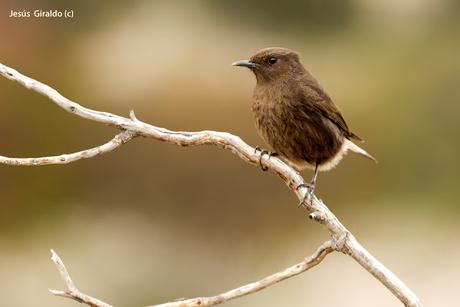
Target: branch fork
[{"x": 72, "y": 291}]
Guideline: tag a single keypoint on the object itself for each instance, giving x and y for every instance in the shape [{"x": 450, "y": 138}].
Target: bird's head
[{"x": 272, "y": 63}]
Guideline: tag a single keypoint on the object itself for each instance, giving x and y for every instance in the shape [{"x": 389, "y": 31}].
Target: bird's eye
[{"x": 272, "y": 60}]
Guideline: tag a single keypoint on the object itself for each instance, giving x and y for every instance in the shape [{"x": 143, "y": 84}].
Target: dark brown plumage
[{"x": 294, "y": 115}]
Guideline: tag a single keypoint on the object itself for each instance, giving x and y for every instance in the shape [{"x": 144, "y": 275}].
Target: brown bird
[{"x": 295, "y": 116}]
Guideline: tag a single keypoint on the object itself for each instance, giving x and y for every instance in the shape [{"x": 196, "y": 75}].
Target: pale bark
[{"x": 341, "y": 239}]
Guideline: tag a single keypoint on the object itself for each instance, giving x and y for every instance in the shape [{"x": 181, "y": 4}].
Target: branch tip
[
  {"x": 54, "y": 256},
  {"x": 116, "y": 142},
  {"x": 57, "y": 292},
  {"x": 132, "y": 115}
]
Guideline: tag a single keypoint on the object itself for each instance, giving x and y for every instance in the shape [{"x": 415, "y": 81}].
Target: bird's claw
[
  {"x": 308, "y": 196},
  {"x": 262, "y": 153}
]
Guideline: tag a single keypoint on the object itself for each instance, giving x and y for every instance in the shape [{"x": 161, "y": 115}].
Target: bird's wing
[
  {"x": 329, "y": 110},
  {"x": 323, "y": 104}
]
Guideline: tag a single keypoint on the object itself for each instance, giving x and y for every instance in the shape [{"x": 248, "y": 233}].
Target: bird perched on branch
[{"x": 295, "y": 116}]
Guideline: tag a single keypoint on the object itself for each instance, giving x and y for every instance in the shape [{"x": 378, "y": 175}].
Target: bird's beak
[{"x": 245, "y": 63}]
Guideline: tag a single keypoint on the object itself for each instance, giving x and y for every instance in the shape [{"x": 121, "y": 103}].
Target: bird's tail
[{"x": 353, "y": 147}]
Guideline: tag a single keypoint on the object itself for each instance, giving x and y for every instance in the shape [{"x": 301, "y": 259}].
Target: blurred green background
[{"x": 152, "y": 222}]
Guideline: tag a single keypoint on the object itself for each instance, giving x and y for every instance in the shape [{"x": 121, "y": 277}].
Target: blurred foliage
[{"x": 298, "y": 16}]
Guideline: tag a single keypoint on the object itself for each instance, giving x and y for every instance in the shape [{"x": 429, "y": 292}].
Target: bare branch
[
  {"x": 72, "y": 291},
  {"x": 343, "y": 240},
  {"x": 309, "y": 262},
  {"x": 268, "y": 281},
  {"x": 117, "y": 141}
]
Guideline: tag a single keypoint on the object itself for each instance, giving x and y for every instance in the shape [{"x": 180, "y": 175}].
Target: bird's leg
[
  {"x": 310, "y": 187},
  {"x": 264, "y": 152}
]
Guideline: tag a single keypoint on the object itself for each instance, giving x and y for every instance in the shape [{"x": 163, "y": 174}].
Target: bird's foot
[
  {"x": 262, "y": 153},
  {"x": 308, "y": 196}
]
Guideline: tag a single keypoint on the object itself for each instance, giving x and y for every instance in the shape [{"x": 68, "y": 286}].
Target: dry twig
[
  {"x": 72, "y": 291},
  {"x": 117, "y": 141},
  {"x": 309, "y": 262}
]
